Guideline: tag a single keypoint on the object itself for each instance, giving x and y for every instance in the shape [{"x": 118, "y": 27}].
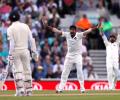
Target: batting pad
[{"x": 3, "y": 77}]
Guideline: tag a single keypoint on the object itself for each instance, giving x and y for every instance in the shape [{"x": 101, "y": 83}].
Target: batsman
[{"x": 19, "y": 37}]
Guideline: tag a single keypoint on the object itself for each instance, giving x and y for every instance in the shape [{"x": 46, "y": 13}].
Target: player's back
[{"x": 20, "y": 33}]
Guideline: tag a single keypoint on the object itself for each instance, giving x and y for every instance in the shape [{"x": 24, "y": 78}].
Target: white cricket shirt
[
  {"x": 19, "y": 36},
  {"x": 112, "y": 49},
  {"x": 74, "y": 44}
]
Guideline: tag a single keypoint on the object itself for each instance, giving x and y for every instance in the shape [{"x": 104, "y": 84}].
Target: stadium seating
[{"x": 99, "y": 62}]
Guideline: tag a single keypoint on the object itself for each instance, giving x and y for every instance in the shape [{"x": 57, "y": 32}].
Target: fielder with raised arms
[
  {"x": 73, "y": 56},
  {"x": 19, "y": 36},
  {"x": 112, "y": 58}
]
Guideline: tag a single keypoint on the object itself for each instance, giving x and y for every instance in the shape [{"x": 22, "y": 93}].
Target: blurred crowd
[{"x": 51, "y": 47}]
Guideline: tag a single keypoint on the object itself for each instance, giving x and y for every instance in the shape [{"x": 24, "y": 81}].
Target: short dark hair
[
  {"x": 72, "y": 27},
  {"x": 14, "y": 16}
]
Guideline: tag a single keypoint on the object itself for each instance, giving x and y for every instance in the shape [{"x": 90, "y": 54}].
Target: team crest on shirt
[{"x": 75, "y": 38}]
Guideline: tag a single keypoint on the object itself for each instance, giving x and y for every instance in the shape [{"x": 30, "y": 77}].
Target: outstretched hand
[
  {"x": 45, "y": 25},
  {"x": 35, "y": 56},
  {"x": 49, "y": 27},
  {"x": 100, "y": 29},
  {"x": 97, "y": 26}
]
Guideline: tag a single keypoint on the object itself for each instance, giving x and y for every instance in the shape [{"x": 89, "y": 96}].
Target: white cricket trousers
[
  {"x": 68, "y": 64},
  {"x": 112, "y": 72},
  {"x": 22, "y": 70}
]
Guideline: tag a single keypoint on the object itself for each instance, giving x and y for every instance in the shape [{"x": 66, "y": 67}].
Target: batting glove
[{"x": 35, "y": 56}]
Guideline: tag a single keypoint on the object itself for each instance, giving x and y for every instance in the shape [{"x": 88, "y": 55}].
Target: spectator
[
  {"x": 3, "y": 36},
  {"x": 19, "y": 5},
  {"x": 51, "y": 4},
  {"x": 49, "y": 72},
  {"x": 43, "y": 10},
  {"x": 54, "y": 18},
  {"x": 42, "y": 33},
  {"x": 87, "y": 62},
  {"x": 47, "y": 66},
  {"x": 45, "y": 49},
  {"x": 69, "y": 6},
  {"x": 64, "y": 50},
  {"x": 115, "y": 7},
  {"x": 80, "y": 5},
  {"x": 55, "y": 48},
  {"x": 5, "y": 7},
  {"x": 109, "y": 4},
  {"x": 60, "y": 8},
  {"x": 93, "y": 39},
  {"x": 102, "y": 10},
  {"x": 57, "y": 68},
  {"x": 31, "y": 8},
  {"x": 91, "y": 74},
  {"x": 83, "y": 23},
  {"x": 107, "y": 27},
  {"x": 91, "y": 5},
  {"x": 1, "y": 42},
  {"x": 37, "y": 69},
  {"x": 28, "y": 20}
]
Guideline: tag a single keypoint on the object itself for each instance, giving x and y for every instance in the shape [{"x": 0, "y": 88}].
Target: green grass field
[{"x": 66, "y": 95}]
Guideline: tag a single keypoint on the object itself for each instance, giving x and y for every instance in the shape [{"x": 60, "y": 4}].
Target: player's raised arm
[
  {"x": 91, "y": 29},
  {"x": 118, "y": 38},
  {"x": 54, "y": 30},
  {"x": 103, "y": 37}
]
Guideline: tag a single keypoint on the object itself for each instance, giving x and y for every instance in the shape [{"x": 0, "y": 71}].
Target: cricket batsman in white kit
[
  {"x": 19, "y": 36},
  {"x": 73, "y": 56},
  {"x": 112, "y": 58}
]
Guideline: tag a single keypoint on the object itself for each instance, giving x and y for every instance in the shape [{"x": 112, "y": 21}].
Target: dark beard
[
  {"x": 72, "y": 34},
  {"x": 112, "y": 41}
]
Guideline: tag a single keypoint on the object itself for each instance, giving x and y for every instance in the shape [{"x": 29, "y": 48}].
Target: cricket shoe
[
  {"x": 112, "y": 88},
  {"x": 58, "y": 91},
  {"x": 28, "y": 93},
  {"x": 82, "y": 90},
  {"x": 20, "y": 93}
]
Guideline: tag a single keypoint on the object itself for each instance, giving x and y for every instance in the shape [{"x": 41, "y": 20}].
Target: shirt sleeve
[
  {"x": 9, "y": 34},
  {"x": 11, "y": 41},
  {"x": 118, "y": 38},
  {"x": 64, "y": 34},
  {"x": 80, "y": 35},
  {"x": 105, "y": 40},
  {"x": 84, "y": 33},
  {"x": 31, "y": 41}
]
